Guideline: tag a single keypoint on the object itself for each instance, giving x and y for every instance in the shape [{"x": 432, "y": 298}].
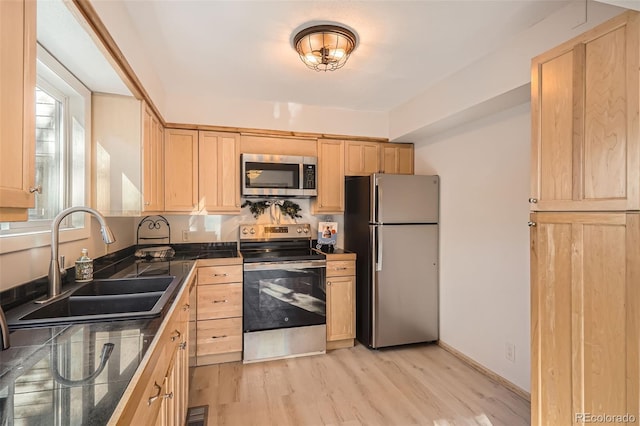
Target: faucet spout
[
  {"x": 55, "y": 280},
  {"x": 4, "y": 327}
]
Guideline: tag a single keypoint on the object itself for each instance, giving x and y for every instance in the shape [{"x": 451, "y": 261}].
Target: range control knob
[
  {"x": 245, "y": 231},
  {"x": 299, "y": 230},
  {"x": 306, "y": 230},
  {"x": 252, "y": 231}
]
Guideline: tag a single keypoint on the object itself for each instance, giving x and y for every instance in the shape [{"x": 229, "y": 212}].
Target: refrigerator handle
[
  {"x": 374, "y": 198},
  {"x": 373, "y": 264},
  {"x": 378, "y": 248}
]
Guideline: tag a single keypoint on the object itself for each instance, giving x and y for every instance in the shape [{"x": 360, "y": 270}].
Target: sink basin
[
  {"x": 76, "y": 306},
  {"x": 104, "y": 300},
  {"x": 124, "y": 286}
]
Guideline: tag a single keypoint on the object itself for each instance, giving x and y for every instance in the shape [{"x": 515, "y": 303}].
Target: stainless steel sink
[{"x": 104, "y": 300}]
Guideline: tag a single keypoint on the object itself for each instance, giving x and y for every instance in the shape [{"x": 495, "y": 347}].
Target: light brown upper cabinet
[
  {"x": 17, "y": 108},
  {"x": 396, "y": 158},
  {"x": 202, "y": 171},
  {"x": 181, "y": 170},
  {"x": 128, "y": 148},
  {"x": 585, "y": 299},
  {"x": 219, "y": 172},
  {"x": 274, "y": 145},
  {"x": 152, "y": 163},
  {"x": 361, "y": 158},
  {"x": 330, "y": 180},
  {"x": 584, "y": 106}
]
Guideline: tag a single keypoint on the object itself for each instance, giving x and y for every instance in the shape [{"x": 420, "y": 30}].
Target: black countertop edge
[{"x": 108, "y": 265}]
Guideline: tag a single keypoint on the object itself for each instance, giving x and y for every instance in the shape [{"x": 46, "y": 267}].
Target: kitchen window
[{"x": 63, "y": 111}]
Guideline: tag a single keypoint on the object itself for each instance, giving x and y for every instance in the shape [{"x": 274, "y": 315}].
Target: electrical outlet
[
  {"x": 510, "y": 352},
  {"x": 185, "y": 235}
]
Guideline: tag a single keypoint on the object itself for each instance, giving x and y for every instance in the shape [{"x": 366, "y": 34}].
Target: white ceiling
[
  {"x": 242, "y": 49},
  {"x": 59, "y": 32}
]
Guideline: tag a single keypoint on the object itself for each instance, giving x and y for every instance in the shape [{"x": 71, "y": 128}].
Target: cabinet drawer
[
  {"x": 219, "y": 274},
  {"x": 219, "y": 301},
  {"x": 338, "y": 268},
  {"x": 219, "y": 336}
]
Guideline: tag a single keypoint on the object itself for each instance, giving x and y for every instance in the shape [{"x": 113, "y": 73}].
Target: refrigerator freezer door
[
  {"x": 405, "y": 285},
  {"x": 406, "y": 198}
]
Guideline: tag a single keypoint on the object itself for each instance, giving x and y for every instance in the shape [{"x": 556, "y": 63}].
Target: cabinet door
[
  {"x": 340, "y": 308},
  {"x": 153, "y": 163},
  {"x": 361, "y": 158},
  {"x": 584, "y": 326},
  {"x": 584, "y": 105},
  {"x": 219, "y": 172},
  {"x": 17, "y": 108},
  {"x": 330, "y": 197},
  {"x": 181, "y": 170},
  {"x": 397, "y": 158}
]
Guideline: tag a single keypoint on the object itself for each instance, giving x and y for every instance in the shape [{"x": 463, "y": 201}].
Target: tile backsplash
[{"x": 224, "y": 228}]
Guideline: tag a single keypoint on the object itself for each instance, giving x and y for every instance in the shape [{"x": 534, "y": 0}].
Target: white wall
[
  {"x": 22, "y": 266},
  {"x": 484, "y": 240}
]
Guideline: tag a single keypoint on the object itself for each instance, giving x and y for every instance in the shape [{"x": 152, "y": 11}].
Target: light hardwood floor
[{"x": 414, "y": 385}]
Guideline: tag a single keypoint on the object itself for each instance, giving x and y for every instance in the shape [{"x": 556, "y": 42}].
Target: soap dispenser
[{"x": 84, "y": 267}]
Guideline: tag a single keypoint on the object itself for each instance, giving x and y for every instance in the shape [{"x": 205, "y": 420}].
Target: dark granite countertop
[
  {"x": 333, "y": 250},
  {"x": 43, "y": 375}
]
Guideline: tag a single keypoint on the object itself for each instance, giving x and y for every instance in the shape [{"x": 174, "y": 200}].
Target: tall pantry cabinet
[
  {"x": 585, "y": 226},
  {"x": 17, "y": 108}
]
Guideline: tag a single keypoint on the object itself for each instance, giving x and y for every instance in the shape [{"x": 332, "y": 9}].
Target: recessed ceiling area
[
  {"x": 232, "y": 63},
  {"x": 60, "y": 33}
]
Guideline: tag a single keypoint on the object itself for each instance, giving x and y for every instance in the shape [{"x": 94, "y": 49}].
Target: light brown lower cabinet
[
  {"x": 219, "y": 311},
  {"x": 585, "y": 317},
  {"x": 341, "y": 300},
  {"x": 159, "y": 394}
]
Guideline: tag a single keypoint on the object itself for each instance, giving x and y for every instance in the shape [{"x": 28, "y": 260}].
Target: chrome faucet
[
  {"x": 5, "y": 330},
  {"x": 55, "y": 279}
]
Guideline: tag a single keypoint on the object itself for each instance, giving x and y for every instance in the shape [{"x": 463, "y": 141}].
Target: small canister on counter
[{"x": 84, "y": 267}]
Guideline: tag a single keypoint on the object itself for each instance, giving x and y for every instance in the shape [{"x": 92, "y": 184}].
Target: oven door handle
[{"x": 270, "y": 266}]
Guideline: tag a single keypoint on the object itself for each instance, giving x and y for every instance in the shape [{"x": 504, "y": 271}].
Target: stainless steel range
[{"x": 284, "y": 311}]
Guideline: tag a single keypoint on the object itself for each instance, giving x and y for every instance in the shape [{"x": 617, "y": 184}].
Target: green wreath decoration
[{"x": 288, "y": 208}]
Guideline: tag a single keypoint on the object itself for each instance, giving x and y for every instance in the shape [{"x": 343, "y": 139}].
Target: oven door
[{"x": 284, "y": 294}]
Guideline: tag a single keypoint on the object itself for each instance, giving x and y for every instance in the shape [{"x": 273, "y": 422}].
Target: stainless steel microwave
[{"x": 266, "y": 175}]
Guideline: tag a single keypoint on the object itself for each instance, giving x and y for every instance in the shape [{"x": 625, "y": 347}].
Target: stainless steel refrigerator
[{"x": 391, "y": 223}]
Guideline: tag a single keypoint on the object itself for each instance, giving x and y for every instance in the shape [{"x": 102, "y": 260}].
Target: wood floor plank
[{"x": 412, "y": 385}]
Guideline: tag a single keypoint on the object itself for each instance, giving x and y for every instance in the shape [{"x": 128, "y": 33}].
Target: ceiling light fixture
[{"x": 325, "y": 47}]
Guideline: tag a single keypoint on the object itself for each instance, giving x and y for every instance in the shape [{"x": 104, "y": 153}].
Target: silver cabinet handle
[
  {"x": 220, "y": 301},
  {"x": 183, "y": 346},
  {"x": 220, "y": 275},
  {"x": 37, "y": 189},
  {"x": 175, "y": 335},
  {"x": 156, "y": 396},
  {"x": 168, "y": 395},
  {"x": 328, "y": 283},
  {"x": 533, "y": 200},
  {"x": 530, "y": 224},
  {"x": 219, "y": 337},
  {"x": 147, "y": 203}
]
